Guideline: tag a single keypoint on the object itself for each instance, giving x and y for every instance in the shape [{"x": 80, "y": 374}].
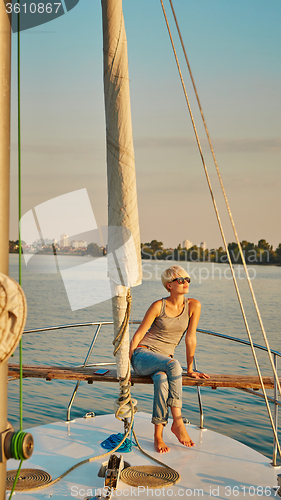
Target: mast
[
  {"x": 123, "y": 225},
  {"x": 5, "y": 94}
]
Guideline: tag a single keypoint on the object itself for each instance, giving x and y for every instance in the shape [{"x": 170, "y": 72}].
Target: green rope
[
  {"x": 15, "y": 481},
  {"x": 17, "y": 440},
  {"x": 19, "y": 210},
  {"x": 19, "y": 150},
  {"x": 17, "y": 445}
]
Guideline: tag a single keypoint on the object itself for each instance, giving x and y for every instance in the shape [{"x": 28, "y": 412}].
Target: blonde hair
[{"x": 171, "y": 273}]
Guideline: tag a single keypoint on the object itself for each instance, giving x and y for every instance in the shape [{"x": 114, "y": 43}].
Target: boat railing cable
[
  {"x": 72, "y": 325},
  {"x": 100, "y": 324},
  {"x": 135, "y": 322},
  {"x": 84, "y": 365},
  {"x": 236, "y": 339},
  {"x": 108, "y": 323},
  {"x": 200, "y": 404},
  {"x": 226, "y": 200},
  {"x": 225, "y": 243},
  {"x": 274, "y": 400}
]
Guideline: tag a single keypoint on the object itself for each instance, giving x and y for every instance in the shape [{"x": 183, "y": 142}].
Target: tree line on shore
[
  {"x": 262, "y": 253},
  {"x": 92, "y": 249}
]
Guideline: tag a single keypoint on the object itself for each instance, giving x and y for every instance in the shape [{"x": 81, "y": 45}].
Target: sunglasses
[{"x": 181, "y": 281}]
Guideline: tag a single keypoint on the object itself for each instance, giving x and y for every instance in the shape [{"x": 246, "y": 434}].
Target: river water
[{"x": 228, "y": 411}]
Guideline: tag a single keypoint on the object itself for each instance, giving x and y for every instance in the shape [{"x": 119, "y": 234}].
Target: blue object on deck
[{"x": 112, "y": 441}]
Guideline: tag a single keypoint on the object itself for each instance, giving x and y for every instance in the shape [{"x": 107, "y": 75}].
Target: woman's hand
[{"x": 197, "y": 375}]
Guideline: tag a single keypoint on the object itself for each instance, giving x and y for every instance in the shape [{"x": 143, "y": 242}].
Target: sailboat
[{"x": 218, "y": 466}]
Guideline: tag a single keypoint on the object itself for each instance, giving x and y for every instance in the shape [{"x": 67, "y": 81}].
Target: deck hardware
[
  {"x": 279, "y": 484},
  {"x": 94, "y": 498},
  {"x": 111, "y": 472},
  {"x": 18, "y": 445},
  {"x": 126, "y": 410},
  {"x": 103, "y": 468},
  {"x": 90, "y": 414},
  {"x": 114, "y": 467}
]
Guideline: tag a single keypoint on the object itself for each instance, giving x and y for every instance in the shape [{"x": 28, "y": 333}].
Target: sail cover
[{"x": 124, "y": 260}]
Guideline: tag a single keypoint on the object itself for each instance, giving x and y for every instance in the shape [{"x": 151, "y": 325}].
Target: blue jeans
[{"x": 166, "y": 374}]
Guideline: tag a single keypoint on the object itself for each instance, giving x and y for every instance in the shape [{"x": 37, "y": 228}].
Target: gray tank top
[{"x": 166, "y": 332}]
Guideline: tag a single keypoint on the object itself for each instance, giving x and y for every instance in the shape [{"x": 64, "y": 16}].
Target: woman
[{"x": 152, "y": 348}]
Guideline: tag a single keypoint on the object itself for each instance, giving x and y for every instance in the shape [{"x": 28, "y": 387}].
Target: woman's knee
[
  {"x": 174, "y": 367},
  {"x": 159, "y": 379}
]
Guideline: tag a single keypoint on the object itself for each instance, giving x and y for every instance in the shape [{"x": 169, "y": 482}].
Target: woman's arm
[
  {"x": 190, "y": 338},
  {"x": 152, "y": 313}
]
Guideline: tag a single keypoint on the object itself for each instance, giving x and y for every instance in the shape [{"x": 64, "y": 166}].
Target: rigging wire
[
  {"x": 128, "y": 312},
  {"x": 227, "y": 204},
  {"x": 19, "y": 198},
  {"x": 222, "y": 233},
  {"x": 20, "y": 249}
]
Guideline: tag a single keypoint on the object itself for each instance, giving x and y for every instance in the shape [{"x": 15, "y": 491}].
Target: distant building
[
  {"x": 64, "y": 240},
  {"x": 37, "y": 244},
  {"x": 203, "y": 245},
  {"x": 50, "y": 242},
  {"x": 187, "y": 244},
  {"x": 78, "y": 244}
]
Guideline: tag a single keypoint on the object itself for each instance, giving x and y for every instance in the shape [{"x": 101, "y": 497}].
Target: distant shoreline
[
  {"x": 154, "y": 261},
  {"x": 261, "y": 253}
]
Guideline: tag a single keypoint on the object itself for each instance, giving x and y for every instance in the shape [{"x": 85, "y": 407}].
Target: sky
[{"x": 234, "y": 51}]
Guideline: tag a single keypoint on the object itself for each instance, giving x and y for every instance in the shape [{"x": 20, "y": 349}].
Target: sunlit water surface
[{"x": 228, "y": 411}]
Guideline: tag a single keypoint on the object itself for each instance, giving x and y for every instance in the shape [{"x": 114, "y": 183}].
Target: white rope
[
  {"x": 125, "y": 384},
  {"x": 119, "y": 337},
  {"x": 87, "y": 460},
  {"x": 227, "y": 205},
  {"x": 222, "y": 234},
  {"x": 13, "y": 311}
]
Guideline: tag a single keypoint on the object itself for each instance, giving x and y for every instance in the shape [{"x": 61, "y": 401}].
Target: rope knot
[{"x": 129, "y": 297}]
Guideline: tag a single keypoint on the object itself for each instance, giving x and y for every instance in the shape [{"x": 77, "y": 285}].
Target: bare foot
[
  {"x": 160, "y": 446},
  {"x": 180, "y": 432}
]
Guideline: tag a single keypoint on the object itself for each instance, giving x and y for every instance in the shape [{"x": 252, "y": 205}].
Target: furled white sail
[{"x": 123, "y": 237}]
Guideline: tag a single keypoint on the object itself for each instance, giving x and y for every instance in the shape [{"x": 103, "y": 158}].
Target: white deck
[{"x": 217, "y": 466}]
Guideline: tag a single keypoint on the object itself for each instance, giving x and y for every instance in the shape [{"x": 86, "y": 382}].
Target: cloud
[
  {"x": 251, "y": 145},
  {"x": 247, "y": 145},
  {"x": 71, "y": 150},
  {"x": 160, "y": 142}
]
